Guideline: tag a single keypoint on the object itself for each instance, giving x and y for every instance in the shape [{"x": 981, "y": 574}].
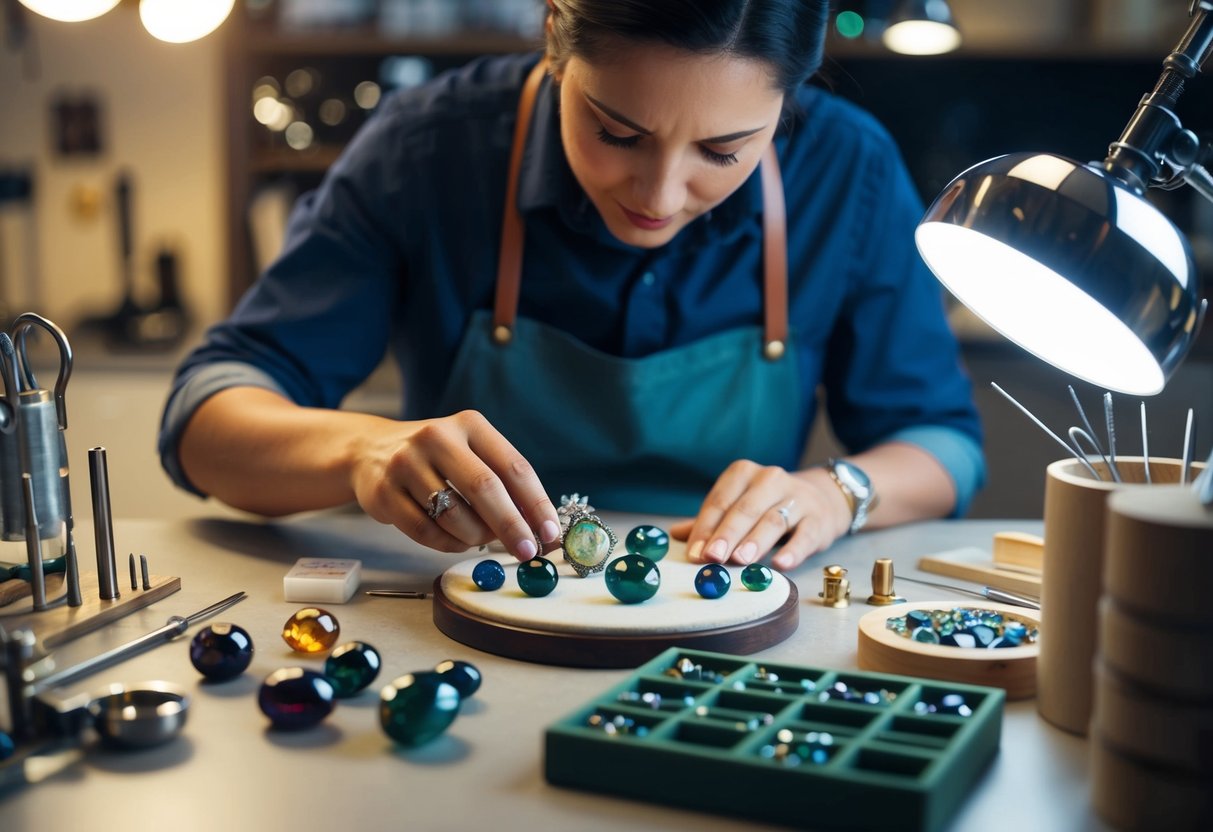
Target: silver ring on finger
[
  {"x": 440, "y": 501},
  {"x": 785, "y": 511}
]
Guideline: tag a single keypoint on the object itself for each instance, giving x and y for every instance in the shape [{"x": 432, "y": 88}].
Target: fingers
[
  {"x": 500, "y": 487},
  {"x": 751, "y": 508}
]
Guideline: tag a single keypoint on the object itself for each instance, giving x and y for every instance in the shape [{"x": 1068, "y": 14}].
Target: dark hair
[{"x": 787, "y": 35}]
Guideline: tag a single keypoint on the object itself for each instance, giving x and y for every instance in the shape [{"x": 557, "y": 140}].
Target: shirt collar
[{"x": 546, "y": 181}]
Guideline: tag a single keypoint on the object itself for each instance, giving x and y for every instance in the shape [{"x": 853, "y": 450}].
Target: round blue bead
[
  {"x": 537, "y": 577},
  {"x": 294, "y": 698},
  {"x": 351, "y": 667},
  {"x": 488, "y": 575},
  {"x": 713, "y": 581},
  {"x": 221, "y": 651},
  {"x": 463, "y": 676},
  {"x": 417, "y": 708}
]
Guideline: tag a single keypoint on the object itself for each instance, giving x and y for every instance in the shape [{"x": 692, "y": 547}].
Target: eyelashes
[{"x": 625, "y": 142}]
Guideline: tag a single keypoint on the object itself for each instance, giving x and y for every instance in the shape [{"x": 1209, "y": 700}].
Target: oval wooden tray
[{"x": 1011, "y": 668}]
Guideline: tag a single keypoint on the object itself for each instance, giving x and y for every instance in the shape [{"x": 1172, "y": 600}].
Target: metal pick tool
[
  {"x": 987, "y": 592},
  {"x": 175, "y": 626},
  {"x": 1145, "y": 444},
  {"x": 1189, "y": 428},
  {"x": 1076, "y": 453}
]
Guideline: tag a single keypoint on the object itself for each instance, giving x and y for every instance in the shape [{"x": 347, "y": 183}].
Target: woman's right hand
[{"x": 400, "y": 465}]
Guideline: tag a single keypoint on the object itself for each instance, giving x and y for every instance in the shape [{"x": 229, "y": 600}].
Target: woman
[{"x": 579, "y": 264}]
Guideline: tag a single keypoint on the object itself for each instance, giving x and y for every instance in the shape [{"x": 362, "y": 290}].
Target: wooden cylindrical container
[
  {"x": 1075, "y": 509},
  {"x": 1152, "y": 731}
]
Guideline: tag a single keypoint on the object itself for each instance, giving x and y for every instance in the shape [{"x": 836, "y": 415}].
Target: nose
[{"x": 660, "y": 187}]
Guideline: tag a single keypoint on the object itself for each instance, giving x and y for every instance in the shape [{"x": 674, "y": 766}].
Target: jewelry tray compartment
[{"x": 783, "y": 743}]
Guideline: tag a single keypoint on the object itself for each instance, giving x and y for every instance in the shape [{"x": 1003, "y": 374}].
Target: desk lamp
[
  {"x": 1070, "y": 261},
  {"x": 922, "y": 27}
]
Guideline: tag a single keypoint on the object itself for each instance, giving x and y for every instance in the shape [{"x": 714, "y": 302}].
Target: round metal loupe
[{"x": 139, "y": 716}]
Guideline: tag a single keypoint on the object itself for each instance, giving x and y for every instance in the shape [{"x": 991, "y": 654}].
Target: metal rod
[
  {"x": 396, "y": 593},
  {"x": 33, "y": 544},
  {"x": 1187, "y": 459},
  {"x": 134, "y": 576},
  {"x": 1086, "y": 423},
  {"x": 103, "y": 524},
  {"x": 1145, "y": 443},
  {"x": 175, "y": 626},
  {"x": 72, "y": 570},
  {"x": 1110, "y": 423},
  {"x": 1076, "y": 453},
  {"x": 989, "y": 593},
  {"x": 147, "y": 581}
]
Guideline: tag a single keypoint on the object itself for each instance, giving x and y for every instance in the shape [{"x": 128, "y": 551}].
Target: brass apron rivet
[
  {"x": 773, "y": 350},
  {"x": 502, "y": 334}
]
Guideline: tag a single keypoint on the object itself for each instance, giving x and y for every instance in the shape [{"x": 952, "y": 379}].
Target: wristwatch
[{"x": 857, "y": 489}]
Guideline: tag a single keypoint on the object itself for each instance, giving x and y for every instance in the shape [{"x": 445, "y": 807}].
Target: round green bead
[
  {"x": 632, "y": 578},
  {"x": 351, "y": 667},
  {"x": 417, "y": 707},
  {"x": 587, "y": 543},
  {"x": 756, "y": 577},
  {"x": 650, "y": 541},
  {"x": 537, "y": 577}
]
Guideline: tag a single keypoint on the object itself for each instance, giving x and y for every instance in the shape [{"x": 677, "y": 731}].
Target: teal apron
[{"x": 647, "y": 434}]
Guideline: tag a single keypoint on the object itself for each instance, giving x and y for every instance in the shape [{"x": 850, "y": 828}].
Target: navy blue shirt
[{"x": 398, "y": 247}]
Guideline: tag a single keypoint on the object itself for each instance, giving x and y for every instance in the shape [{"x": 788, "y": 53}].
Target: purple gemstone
[{"x": 294, "y": 698}]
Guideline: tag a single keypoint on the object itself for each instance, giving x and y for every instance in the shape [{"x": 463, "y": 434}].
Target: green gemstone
[
  {"x": 587, "y": 543},
  {"x": 650, "y": 541},
  {"x": 632, "y": 578},
  {"x": 756, "y": 577},
  {"x": 351, "y": 667},
  {"x": 417, "y": 707},
  {"x": 537, "y": 577}
]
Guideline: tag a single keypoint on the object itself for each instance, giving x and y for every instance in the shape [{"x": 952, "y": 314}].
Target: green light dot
[{"x": 849, "y": 24}]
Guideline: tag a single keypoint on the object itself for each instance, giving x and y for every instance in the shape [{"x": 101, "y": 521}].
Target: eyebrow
[{"x": 627, "y": 122}]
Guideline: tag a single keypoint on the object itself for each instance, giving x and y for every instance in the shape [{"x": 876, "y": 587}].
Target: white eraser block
[{"x": 330, "y": 580}]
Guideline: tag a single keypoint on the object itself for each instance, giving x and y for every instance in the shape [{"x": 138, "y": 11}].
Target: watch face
[{"x": 853, "y": 478}]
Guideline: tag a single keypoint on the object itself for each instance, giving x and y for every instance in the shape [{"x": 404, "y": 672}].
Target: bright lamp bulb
[
  {"x": 921, "y": 37},
  {"x": 70, "y": 11},
  {"x": 181, "y": 21},
  {"x": 1040, "y": 310}
]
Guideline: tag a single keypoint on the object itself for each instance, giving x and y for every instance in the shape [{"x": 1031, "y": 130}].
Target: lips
[{"x": 645, "y": 223}]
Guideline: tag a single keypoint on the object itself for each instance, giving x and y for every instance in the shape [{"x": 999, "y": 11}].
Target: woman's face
[{"x": 659, "y": 136}]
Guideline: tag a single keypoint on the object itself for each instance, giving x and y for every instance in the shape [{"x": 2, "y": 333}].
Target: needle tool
[
  {"x": 1077, "y": 454},
  {"x": 1187, "y": 459},
  {"x": 1110, "y": 423},
  {"x": 987, "y": 592},
  {"x": 1145, "y": 443},
  {"x": 1090, "y": 434}
]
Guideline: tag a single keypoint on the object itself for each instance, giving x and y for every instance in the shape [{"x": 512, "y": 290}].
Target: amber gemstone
[{"x": 311, "y": 630}]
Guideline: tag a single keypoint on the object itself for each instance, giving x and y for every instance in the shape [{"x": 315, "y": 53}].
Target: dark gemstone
[
  {"x": 632, "y": 578},
  {"x": 464, "y": 677},
  {"x": 295, "y": 698},
  {"x": 417, "y": 708},
  {"x": 537, "y": 577},
  {"x": 7, "y": 746},
  {"x": 918, "y": 618},
  {"x": 351, "y": 667},
  {"x": 488, "y": 575},
  {"x": 756, "y": 577},
  {"x": 221, "y": 651},
  {"x": 650, "y": 541},
  {"x": 713, "y": 581}
]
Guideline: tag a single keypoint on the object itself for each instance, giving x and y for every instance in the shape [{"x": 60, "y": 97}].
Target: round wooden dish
[
  {"x": 1011, "y": 668},
  {"x": 581, "y": 625}
]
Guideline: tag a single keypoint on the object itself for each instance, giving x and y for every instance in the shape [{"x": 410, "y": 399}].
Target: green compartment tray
[{"x": 723, "y": 738}]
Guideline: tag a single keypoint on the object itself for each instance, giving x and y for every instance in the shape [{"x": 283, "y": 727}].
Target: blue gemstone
[
  {"x": 221, "y": 651},
  {"x": 417, "y": 708},
  {"x": 351, "y": 667},
  {"x": 464, "y": 677},
  {"x": 925, "y": 635},
  {"x": 649, "y": 541},
  {"x": 7, "y": 746},
  {"x": 488, "y": 575},
  {"x": 983, "y": 634},
  {"x": 713, "y": 581},
  {"x": 294, "y": 698},
  {"x": 537, "y": 577}
]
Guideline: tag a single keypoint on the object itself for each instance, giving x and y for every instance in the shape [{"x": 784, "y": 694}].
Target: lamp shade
[
  {"x": 921, "y": 27},
  {"x": 182, "y": 21},
  {"x": 70, "y": 11},
  {"x": 1069, "y": 263}
]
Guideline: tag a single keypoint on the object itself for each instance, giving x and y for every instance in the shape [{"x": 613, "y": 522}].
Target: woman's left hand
[{"x": 752, "y": 507}]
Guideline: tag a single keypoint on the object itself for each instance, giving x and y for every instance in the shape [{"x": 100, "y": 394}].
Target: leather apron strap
[{"x": 774, "y": 237}]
